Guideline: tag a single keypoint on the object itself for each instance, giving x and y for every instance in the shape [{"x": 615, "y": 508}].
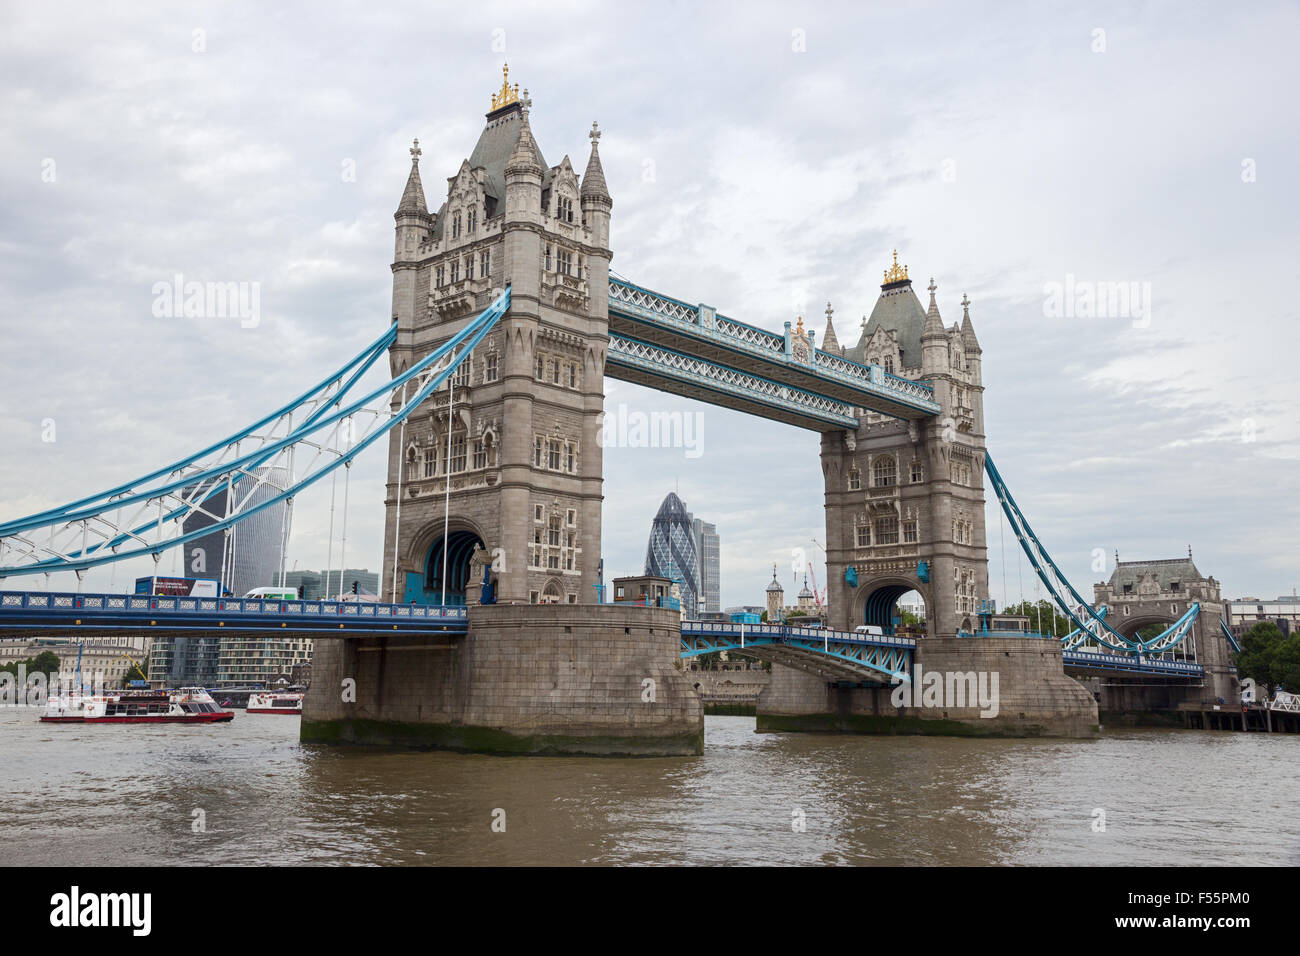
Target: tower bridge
[{"x": 505, "y": 321}]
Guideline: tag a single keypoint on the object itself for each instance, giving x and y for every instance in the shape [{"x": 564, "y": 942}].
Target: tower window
[
  {"x": 490, "y": 368},
  {"x": 573, "y": 376},
  {"x": 455, "y": 226},
  {"x": 918, "y": 475},
  {"x": 430, "y": 461},
  {"x": 864, "y": 536},
  {"x": 455, "y": 270},
  {"x": 909, "y": 532},
  {"x": 457, "y": 460},
  {"x": 886, "y": 531},
  {"x": 439, "y": 276},
  {"x": 884, "y": 471},
  {"x": 471, "y": 218},
  {"x": 548, "y": 257},
  {"x": 855, "y": 480},
  {"x": 541, "y": 368},
  {"x": 563, "y": 261},
  {"x": 484, "y": 263},
  {"x": 889, "y": 364}
]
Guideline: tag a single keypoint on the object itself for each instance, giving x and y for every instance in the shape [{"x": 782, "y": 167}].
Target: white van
[
  {"x": 873, "y": 629},
  {"x": 273, "y": 594}
]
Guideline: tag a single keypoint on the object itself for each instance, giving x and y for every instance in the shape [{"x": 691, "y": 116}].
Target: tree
[
  {"x": 1270, "y": 658},
  {"x": 1053, "y": 621},
  {"x": 46, "y": 662},
  {"x": 709, "y": 661}
]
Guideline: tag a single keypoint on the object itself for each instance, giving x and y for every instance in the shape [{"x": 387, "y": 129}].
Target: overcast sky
[{"x": 757, "y": 154}]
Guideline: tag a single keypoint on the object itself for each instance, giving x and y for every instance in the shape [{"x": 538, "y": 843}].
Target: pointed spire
[
  {"x": 933, "y": 323},
  {"x": 593, "y": 180},
  {"x": 413, "y": 196},
  {"x": 829, "y": 342},
  {"x": 525, "y": 157},
  {"x": 969, "y": 341}
]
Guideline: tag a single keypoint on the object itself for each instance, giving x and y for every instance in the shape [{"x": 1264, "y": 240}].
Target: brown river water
[{"x": 248, "y": 793}]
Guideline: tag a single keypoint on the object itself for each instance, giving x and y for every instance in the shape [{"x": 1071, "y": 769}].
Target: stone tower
[
  {"x": 905, "y": 500},
  {"x": 775, "y": 598},
  {"x": 515, "y": 434}
]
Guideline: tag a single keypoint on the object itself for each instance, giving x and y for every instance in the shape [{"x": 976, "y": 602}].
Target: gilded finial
[
  {"x": 896, "y": 273},
  {"x": 799, "y": 328},
  {"x": 508, "y": 94}
]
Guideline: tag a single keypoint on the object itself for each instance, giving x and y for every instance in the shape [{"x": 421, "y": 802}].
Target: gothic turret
[
  {"x": 412, "y": 216},
  {"x": 829, "y": 342},
  {"x": 934, "y": 339},
  {"x": 596, "y": 202},
  {"x": 524, "y": 171},
  {"x": 970, "y": 344}
]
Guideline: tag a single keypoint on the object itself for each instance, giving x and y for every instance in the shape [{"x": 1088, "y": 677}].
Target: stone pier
[
  {"x": 1034, "y": 696},
  {"x": 528, "y": 679}
]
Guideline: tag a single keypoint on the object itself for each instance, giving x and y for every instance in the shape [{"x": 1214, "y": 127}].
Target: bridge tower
[
  {"x": 1142, "y": 594},
  {"x": 905, "y": 500},
  {"x": 515, "y": 434}
]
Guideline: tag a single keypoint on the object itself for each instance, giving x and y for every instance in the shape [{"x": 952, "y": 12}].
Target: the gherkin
[{"x": 673, "y": 551}]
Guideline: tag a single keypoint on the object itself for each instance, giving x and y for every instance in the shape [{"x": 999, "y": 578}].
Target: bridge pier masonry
[
  {"x": 968, "y": 687},
  {"x": 554, "y": 679}
]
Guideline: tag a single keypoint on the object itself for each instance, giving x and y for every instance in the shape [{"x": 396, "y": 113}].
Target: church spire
[{"x": 413, "y": 195}]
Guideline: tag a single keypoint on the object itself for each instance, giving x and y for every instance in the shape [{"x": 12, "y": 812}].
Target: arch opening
[
  {"x": 460, "y": 550},
  {"x": 895, "y": 609}
]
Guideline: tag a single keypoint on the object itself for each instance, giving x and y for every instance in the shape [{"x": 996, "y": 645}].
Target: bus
[{"x": 184, "y": 587}]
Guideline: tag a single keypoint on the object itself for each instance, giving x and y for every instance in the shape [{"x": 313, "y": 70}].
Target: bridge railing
[
  {"x": 104, "y": 604},
  {"x": 1126, "y": 662},
  {"x": 707, "y": 324},
  {"x": 786, "y": 631}
]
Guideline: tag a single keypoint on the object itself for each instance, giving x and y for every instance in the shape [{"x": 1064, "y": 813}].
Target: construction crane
[
  {"x": 818, "y": 596},
  {"x": 138, "y": 669}
]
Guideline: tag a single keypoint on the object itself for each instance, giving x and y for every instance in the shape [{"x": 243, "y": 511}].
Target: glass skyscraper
[
  {"x": 709, "y": 547},
  {"x": 673, "y": 552}
]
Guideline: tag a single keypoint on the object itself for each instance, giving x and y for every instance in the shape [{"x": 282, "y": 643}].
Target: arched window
[{"x": 884, "y": 471}]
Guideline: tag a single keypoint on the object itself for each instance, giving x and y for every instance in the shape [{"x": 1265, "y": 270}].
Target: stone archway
[
  {"x": 873, "y": 602},
  {"x": 423, "y": 564}
]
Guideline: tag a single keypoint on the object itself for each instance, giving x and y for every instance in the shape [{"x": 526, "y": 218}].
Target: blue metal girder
[
  {"x": 655, "y": 366},
  {"x": 888, "y": 657},
  {"x": 24, "y": 612},
  {"x": 1232, "y": 639},
  {"x": 640, "y": 313},
  {"x": 1101, "y": 661},
  {"x": 109, "y": 550},
  {"x": 1064, "y": 595}
]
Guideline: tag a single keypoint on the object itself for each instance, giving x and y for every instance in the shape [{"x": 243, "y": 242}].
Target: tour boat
[
  {"x": 189, "y": 705},
  {"x": 271, "y": 703}
]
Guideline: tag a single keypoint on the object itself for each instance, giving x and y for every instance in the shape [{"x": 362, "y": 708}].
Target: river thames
[{"x": 129, "y": 794}]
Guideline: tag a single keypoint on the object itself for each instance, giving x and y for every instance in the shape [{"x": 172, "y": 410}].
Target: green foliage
[
  {"x": 709, "y": 661},
  {"x": 46, "y": 662},
  {"x": 1270, "y": 658},
  {"x": 1053, "y": 621}
]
